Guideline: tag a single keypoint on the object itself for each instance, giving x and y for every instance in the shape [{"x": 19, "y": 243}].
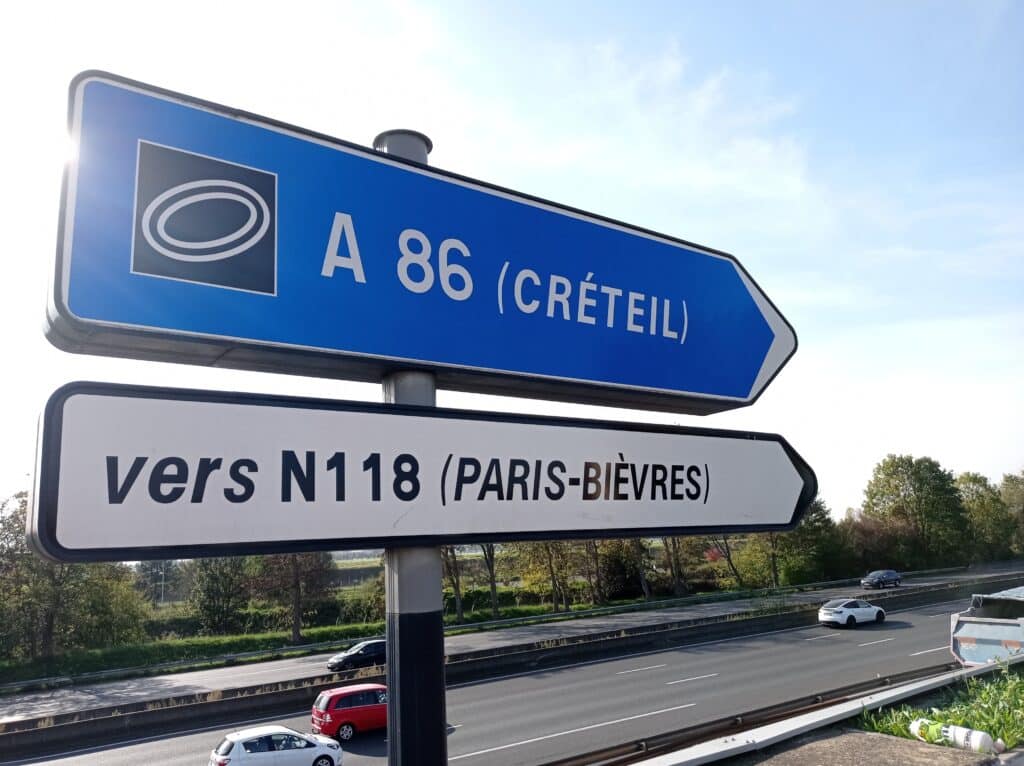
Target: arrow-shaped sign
[
  {"x": 133, "y": 472},
  {"x": 196, "y": 233}
]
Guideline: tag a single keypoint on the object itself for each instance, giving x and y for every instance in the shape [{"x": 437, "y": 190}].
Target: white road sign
[{"x": 131, "y": 472}]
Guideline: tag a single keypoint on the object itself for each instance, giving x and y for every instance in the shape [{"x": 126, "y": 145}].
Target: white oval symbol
[{"x": 244, "y": 235}]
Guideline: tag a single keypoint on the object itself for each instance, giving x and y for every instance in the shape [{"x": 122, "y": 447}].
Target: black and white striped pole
[{"x": 417, "y": 726}]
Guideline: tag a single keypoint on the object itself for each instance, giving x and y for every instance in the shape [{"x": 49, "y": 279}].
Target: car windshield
[
  {"x": 358, "y": 647},
  {"x": 879, "y": 573},
  {"x": 224, "y": 747},
  {"x": 321, "y": 701},
  {"x": 836, "y": 602}
]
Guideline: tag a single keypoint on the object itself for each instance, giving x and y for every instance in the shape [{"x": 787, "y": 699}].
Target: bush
[
  {"x": 183, "y": 623},
  {"x": 363, "y": 604},
  {"x": 479, "y": 599},
  {"x": 176, "y": 625}
]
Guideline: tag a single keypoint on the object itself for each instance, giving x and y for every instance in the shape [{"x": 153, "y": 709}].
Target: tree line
[{"x": 914, "y": 515}]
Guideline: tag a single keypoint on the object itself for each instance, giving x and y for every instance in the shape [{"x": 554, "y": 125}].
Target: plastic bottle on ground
[{"x": 958, "y": 736}]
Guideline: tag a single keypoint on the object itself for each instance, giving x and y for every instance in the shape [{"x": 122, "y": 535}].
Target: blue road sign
[{"x": 195, "y": 233}]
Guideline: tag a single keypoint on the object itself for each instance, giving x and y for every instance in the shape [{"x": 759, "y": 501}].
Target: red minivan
[{"x": 343, "y": 711}]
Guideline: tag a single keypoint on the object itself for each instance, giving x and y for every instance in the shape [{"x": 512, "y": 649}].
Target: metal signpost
[
  {"x": 191, "y": 232},
  {"x": 413, "y": 578}
]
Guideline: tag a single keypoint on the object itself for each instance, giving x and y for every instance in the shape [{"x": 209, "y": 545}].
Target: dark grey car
[
  {"x": 881, "y": 578},
  {"x": 362, "y": 655}
]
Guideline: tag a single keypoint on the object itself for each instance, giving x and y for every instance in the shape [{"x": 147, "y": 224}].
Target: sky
[{"x": 864, "y": 162}]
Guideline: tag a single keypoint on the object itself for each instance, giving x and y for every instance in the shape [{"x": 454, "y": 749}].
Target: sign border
[
  {"x": 42, "y": 519},
  {"x": 77, "y": 335}
]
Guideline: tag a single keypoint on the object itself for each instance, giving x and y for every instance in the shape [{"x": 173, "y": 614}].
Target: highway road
[
  {"x": 532, "y": 718},
  {"x": 86, "y": 696}
]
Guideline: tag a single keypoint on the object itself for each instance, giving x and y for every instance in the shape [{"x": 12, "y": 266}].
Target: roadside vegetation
[
  {"x": 64, "y": 619},
  {"x": 993, "y": 704}
]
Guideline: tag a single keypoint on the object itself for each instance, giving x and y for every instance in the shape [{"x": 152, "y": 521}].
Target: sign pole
[{"x": 417, "y": 728}]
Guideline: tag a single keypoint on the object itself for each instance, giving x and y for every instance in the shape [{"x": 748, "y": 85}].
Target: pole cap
[{"x": 404, "y": 143}]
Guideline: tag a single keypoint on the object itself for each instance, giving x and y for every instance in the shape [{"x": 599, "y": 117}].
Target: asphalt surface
[
  {"x": 67, "y": 699},
  {"x": 532, "y": 718}
]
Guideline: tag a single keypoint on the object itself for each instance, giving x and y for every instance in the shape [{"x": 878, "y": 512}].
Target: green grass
[
  {"x": 358, "y": 564},
  {"x": 994, "y": 704},
  {"x": 199, "y": 650}
]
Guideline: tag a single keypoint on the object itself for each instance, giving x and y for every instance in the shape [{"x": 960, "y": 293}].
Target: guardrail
[
  {"x": 341, "y": 644},
  {"x": 798, "y": 722},
  {"x": 743, "y": 722}
]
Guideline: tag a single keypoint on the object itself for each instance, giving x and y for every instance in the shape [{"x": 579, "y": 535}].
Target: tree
[
  {"x": 643, "y": 562},
  {"x": 48, "y": 607},
  {"x": 624, "y": 566},
  {"x": 366, "y": 602},
  {"x": 219, "y": 593},
  {"x": 450, "y": 562},
  {"x": 992, "y": 523},
  {"x": 490, "y": 563},
  {"x": 1011, "y": 490},
  {"x": 752, "y": 557},
  {"x": 591, "y": 562},
  {"x": 874, "y": 544},
  {"x": 723, "y": 549},
  {"x": 293, "y": 580},
  {"x": 673, "y": 551},
  {"x": 160, "y": 581},
  {"x": 814, "y": 551},
  {"x": 921, "y": 497},
  {"x": 111, "y": 611},
  {"x": 545, "y": 564}
]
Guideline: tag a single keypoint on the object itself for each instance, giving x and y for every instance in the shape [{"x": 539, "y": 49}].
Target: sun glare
[{"x": 70, "y": 151}]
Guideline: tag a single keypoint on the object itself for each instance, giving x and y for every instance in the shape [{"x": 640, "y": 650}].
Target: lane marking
[
  {"x": 637, "y": 670},
  {"x": 695, "y": 678},
  {"x": 872, "y": 643},
  {"x": 827, "y": 635},
  {"x": 929, "y": 651},
  {"x": 962, "y": 600},
  {"x": 648, "y": 653},
  {"x": 682, "y": 648},
  {"x": 571, "y": 731}
]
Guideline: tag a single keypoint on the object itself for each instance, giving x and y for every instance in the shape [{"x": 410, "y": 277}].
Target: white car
[
  {"x": 275, "y": 746},
  {"x": 849, "y": 612}
]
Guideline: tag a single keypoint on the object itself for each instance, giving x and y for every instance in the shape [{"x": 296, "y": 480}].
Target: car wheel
[
  {"x": 850, "y": 621},
  {"x": 323, "y": 760},
  {"x": 346, "y": 731},
  {"x": 880, "y": 616}
]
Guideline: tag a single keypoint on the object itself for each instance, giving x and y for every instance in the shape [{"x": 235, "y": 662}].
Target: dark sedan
[
  {"x": 363, "y": 655},
  {"x": 881, "y": 578}
]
